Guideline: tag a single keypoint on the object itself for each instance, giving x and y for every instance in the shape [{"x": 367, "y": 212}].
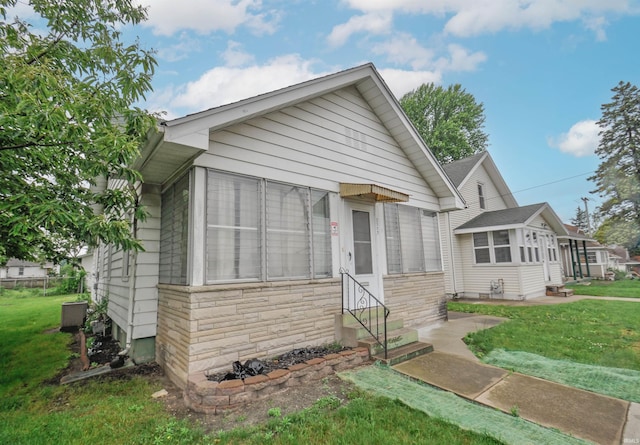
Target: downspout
[
  {"x": 133, "y": 256},
  {"x": 452, "y": 259}
]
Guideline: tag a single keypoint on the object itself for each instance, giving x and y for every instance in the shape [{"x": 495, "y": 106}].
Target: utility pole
[{"x": 586, "y": 209}]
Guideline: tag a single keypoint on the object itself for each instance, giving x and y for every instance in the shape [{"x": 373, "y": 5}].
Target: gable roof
[
  {"x": 460, "y": 172},
  {"x": 512, "y": 218},
  {"x": 177, "y": 142}
]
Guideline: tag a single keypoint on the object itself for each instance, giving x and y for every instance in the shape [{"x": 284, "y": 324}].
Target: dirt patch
[{"x": 288, "y": 401}]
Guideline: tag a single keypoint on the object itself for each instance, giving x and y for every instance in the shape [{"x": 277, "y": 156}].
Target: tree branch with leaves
[{"x": 67, "y": 117}]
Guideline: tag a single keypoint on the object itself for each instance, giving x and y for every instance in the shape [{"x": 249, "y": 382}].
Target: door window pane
[{"x": 362, "y": 242}]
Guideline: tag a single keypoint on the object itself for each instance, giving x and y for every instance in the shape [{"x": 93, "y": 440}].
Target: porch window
[
  {"x": 501, "y": 246},
  {"x": 288, "y": 244},
  {"x": 174, "y": 233},
  {"x": 493, "y": 247},
  {"x": 481, "y": 247},
  {"x": 233, "y": 227},
  {"x": 265, "y": 230},
  {"x": 412, "y": 239}
]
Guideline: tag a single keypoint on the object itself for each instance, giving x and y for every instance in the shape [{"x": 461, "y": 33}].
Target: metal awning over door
[{"x": 372, "y": 191}]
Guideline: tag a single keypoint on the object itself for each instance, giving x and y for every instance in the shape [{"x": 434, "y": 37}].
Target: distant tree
[
  {"x": 449, "y": 120},
  {"x": 580, "y": 220},
  {"x": 617, "y": 178},
  {"x": 67, "y": 88}
]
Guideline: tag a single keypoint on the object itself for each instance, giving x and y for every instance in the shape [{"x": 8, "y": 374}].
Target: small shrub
[{"x": 274, "y": 412}]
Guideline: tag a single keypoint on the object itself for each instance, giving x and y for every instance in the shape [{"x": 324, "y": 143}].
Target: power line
[
  {"x": 536, "y": 186},
  {"x": 553, "y": 182}
]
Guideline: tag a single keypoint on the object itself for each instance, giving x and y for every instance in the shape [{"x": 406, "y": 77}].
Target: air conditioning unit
[{"x": 73, "y": 315}]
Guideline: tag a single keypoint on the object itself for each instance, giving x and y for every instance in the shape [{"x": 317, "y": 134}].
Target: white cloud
[
  {"x": 581, "y": 140},
  {"x": 401, "y": 82},
  {"x": 373, "y": 23},
  {"x": 226, "y": 84},
  {"x": 404, "y": 49},
  {"x": 460, "y": 59},
  {"x": 235, "y": 56},
  {"x": 470, "y": 18},
  {"x": 166, "y": 17},
  {"x": 179, "y": 50}
]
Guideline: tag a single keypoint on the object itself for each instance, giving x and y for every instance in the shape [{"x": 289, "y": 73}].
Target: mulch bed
[{"x": 284, "y": 361}]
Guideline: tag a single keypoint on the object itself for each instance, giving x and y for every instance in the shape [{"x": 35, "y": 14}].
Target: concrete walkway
[{"x": 452, "y": 367}]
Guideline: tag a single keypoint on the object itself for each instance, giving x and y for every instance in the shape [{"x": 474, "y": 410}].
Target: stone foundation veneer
[{"x": 209, "y": 397}]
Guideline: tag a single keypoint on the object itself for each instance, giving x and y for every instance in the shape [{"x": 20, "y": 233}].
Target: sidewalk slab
[
  {"x": 631, "y": 432},
  {"x": 452, "y": 373},
  {"x": 583, "y": 414}
]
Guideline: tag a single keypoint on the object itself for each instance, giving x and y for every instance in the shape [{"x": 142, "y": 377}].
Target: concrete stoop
[
  {"x": 402, "y": 343},
  {"x": 558, "y": 291}
]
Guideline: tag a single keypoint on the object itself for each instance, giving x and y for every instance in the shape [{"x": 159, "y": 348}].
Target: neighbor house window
[
  {"x": 265, "y": 230},
  {"x": 412, "y": 239},
  {"x": 20, "y": 270},
  {"x": 481, "y": 196},
  {"x": 492, "y": 247},
  {"x": 591, "y": 256},
  {"x": 174, "y": 233},
  {"x": 481, "y": 247},
  {"x": 501, "y": 246}
]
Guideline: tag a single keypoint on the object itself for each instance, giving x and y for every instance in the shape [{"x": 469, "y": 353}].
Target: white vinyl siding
[
  {"x": 319, "y": 144},
  {"x": 260, "y": 230},
  {"x": 174, "y": 234},
  {"x": 411, "y": 240}
]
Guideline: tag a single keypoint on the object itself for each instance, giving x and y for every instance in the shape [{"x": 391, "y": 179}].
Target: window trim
[
  {"x": 482, "y": 201},
  {"x": 491, "y": 247}
]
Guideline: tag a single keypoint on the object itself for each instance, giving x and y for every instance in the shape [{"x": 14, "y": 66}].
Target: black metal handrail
[{"x": 366, "y": 308}]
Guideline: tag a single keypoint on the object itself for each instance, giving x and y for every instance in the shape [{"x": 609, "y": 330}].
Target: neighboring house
[
  {"x": 256, "y": 208},
  {"x": 87, "y": 262},
  {"x": 26, "y": 269},
  {"x": 495, "y": 248},
  {"x": 582, "y": 256}
]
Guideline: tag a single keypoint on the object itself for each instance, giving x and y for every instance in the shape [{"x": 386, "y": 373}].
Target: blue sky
[{"x": 542, "y": 68}]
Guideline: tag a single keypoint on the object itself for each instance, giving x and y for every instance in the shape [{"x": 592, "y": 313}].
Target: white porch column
[{"x": 198, "y": 232}]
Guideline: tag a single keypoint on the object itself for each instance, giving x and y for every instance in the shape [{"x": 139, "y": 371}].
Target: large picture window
[
  {"x": 411, "y": 239},
  {"x": 265, "y": 230}
]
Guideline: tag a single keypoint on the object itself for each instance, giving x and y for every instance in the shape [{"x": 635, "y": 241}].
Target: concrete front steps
[
  {"x": 558, "y": 291},
  {"x": 402, "y": 343}
]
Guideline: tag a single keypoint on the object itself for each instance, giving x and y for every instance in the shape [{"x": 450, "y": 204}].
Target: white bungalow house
[
  {"x": 495, "y": 248},
  {"x": 256, "y": 208}
]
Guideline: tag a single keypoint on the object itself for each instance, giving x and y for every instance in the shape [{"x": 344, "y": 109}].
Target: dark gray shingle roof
[
  {"x": 458, "y": 170},
  {"x": 506, "y": 217}
]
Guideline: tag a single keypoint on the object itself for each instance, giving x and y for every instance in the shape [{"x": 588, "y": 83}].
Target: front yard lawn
[
  {"x": 35, "y": 410},
  {"x": 622, "y": 288},
  {"x": 596, "y": 332}
]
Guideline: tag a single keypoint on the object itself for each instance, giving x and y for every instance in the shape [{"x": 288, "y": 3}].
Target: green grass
[
  {"x": 365, "y": 420},
  {"x": 621, "y": 288},
  {"x": 597, "y": 332},
  {"x": 27, "y": 355},
  {"x": 121, "y": 411}
]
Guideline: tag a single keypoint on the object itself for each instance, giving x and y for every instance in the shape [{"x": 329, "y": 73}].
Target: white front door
[
  {"x": 544, "y": 257},
  {"x": 361, "y": 258}
]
